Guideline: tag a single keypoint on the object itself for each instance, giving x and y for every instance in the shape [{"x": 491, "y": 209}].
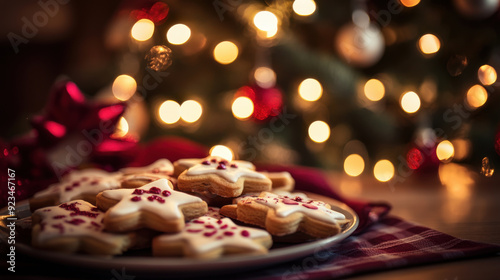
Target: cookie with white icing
[
  {"x": 162, "y": 166},
  {"x": 138, "y": 180},
  {"x": 283, "y": 215},
  {"x": 76, "y": 226},
  {"x": 183, "y": 164},
  {"x": 223, "y": 178},
  {"x": 155, "y": 206},
  {"x": 211, "y": 237},
  {"x": 280, "y": 180},
  {"x": 83, "y": 184}
]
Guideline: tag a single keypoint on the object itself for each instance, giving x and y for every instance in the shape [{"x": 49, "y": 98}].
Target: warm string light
[
  {"x": 122, "y": 128},
  {"x": 178, "y": 34},
  {"x": 310, "y": 89},
  {"x": 319, "y": 131},
  {"x": 429, "y": 44},
  {"x": 124, "y": 87},
  {"x": 304, "y": 7},
  {"x": 410, "y": 102},
  {"x": 267, "y": 22},
  {"x": 409, "y": 3},
  {"x": 191, "y": 111},
  {"x": 374, "y": 90},
  {"x": 354, "y": 165},
  {"x": 487, "y": 75},
  {"x": 265, "y": 77},
  {"x": 225, "y": 52},
  {"x": 169, "y": 112},
  {"x": 143, "y": 30},
  {"x": 383, "y": 170},
  {"x": 222, "y": 151},
  {"x": 445, "y": 151},
  {"x": 242, "y": 107},
  {"x": 476, "y": 96}
]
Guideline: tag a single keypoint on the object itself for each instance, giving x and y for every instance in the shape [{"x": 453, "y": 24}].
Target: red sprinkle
[
  {"x": 193, "y": 230},
  {"x": 209, "y": 226},
  {"x": 59, "y": 217},
  {"x": 83, "y": 213},
  {"x": 95, "y": 182},
  {"x": 298, "y": 198},
  {"x": 138, "y": 191},
  {"x": 219, "y": 222},
  {"x": 205, "y": 162},
  {"x": 228, "y": 233},
  {"x": 221, "y": 166},
  {"x": 223, "y": 227},
  {"x": 289, "y": 201},
  {"x": 76, "y": 184},
  {"x": 310, "y": 206},
  {"x": 76, "y": 222},
  {"x": 95, "y": 224},
  {"x": 154, "y": 190},
  {"x": 198, "y": 222},
  {"x": 59, "y": 227},
  {"x": 166, "y": 193},
  {"x": 151, "y": 198},
  {"x": 68, "y": 188},
  {"x": 233, "y": 165},
  {"x": 160, "y": 199},
  {"x": 136, "y": 198},
  {"x": 213, "y": 160},
  {"x": 245, "y": 233},
  {"x": 155, "y": 171},
  {"x": 208, "y": 234}
]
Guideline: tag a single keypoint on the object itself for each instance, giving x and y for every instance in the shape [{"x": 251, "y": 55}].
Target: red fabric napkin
[{"x": 381, "y": 242}]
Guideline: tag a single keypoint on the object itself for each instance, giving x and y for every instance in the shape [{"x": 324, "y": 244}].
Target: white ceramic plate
[{"x": 142, "y": 263}]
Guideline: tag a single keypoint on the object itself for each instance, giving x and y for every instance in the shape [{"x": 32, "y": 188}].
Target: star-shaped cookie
[
  {"x": 76, "y": 226},
  {"x": 155, "y": 206},
  {"x": 183, "y": 164},
  {"x": 220, "y": 177},
  {"x": 84, "y": 184},
  {"x": 283, "y": 215},
  {"x": 209, "y": 237}
]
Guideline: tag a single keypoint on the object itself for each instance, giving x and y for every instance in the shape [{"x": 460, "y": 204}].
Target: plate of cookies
[{"x": 191, "y": 216}]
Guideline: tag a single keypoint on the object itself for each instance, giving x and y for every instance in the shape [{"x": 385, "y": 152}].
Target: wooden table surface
[{"x": 457, "y": 201}]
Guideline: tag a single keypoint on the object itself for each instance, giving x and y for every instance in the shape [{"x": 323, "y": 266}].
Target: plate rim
[{"x": 169, "y": 264}]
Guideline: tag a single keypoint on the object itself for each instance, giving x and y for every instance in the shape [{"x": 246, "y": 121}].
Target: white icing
[
  {"x": 190, "y": 162},
  {"x": 167, "y": 210},
  {"x": 196, "y": 231},
  {"x": 90, "y": 182},
  {"x": 285, "y": 194},
  {"x": 160, "y": 166},
  {"x": 231, "y": 174},
  {"x": 54, "y": 225},
  {"x": 283, "y": 210}
]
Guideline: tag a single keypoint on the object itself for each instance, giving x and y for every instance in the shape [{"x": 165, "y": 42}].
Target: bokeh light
[
  {"x": 354, "y": 165},
  {"x": 304, "y": 7},
  {"x": 222, "y": 151},
  {"x": 121, "y": 128},
  {"x": 266, "y": 21},
  {"x": 374, "y": 90},
  {"x": 191, "y": 111},
  {"x": 410, "y": 102},
  {"x": 242, "y": 107},
  {"x": 414, "y": 158},
  {"x": 225, "y": 52},
  {"x": 409, "y": 3},
  {"x": 487, "y": 75},
  {"x": 310, "y": 89},
  {"x": 429, "y": 44},
  {"x": 169, "y": 112},
  {"x": 445, "y": 151},
  {"x": 383, "y": 170},
  {"x": 319, "y": 131},
  {"x": 476, "y": 96},
  {"x": 265, "y": 77},
  {"x": 178, "y": 34},
  {"x": 143, "y": 30},
  {"x": 124, "y": 87}
]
